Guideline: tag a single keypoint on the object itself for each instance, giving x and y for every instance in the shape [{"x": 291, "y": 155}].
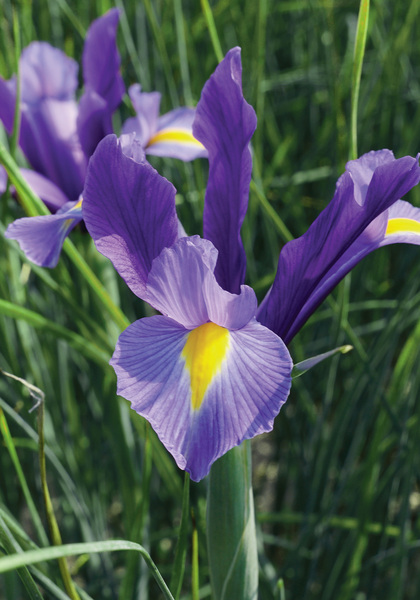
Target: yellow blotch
[
  {"x": 402, "y": 226},
  {"x": 204, "y": 352},
  {"x": 174, "y": 135}
]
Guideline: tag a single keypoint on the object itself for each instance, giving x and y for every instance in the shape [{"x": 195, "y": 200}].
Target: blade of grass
[
  {"x": 211, "y": 26},
  {"x": 359, "y": 52},
  {"x": 31, "y": 557},
  {"x": 181, "y": 546},
  {"x": 75, "y": 340},
  {"x": 10, "y": 546}
]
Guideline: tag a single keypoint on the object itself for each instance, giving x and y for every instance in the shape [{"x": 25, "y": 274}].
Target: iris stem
[{"x": 231, "y": 532}]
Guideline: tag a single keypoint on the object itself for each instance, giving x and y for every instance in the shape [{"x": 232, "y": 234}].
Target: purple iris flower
[
  {"x": 211, "y": 370},
  {"x": 169, "y": 135},
  {"x": 57, "y": 134}
]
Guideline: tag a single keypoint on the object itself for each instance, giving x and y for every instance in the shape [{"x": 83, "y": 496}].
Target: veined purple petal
[
  {"x": 41, "y": 238},
  {"x": 314, "y": 258},
  {"x": 399, "y": 224},
  {"x": 49, "y": 193},
  {"x": 104, "y": 86},
  {"x": 146, "y": 105},
  {"x": 174, "y": 137},
  {"x": 182, "y": 286},
  {"x": 245, "y": 390},
  {"x": 224, "y": 124},
  {"x": 129, "y": 210}
]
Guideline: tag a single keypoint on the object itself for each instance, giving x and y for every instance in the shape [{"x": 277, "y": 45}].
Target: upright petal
[
  {"x": 202, "y": 405},
  {"x": 46, "y": 72},
  {"x": 174, "y": 137},
  {"x": 353, "y": 224},
  {"x": 103, "y": 81},
  {"x": 129, "y": 211},
  {"x": 41, "y": 238},
  {"x": 224, "y": 124}
]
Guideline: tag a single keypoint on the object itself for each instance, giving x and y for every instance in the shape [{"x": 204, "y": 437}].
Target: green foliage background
[{"x": 337, "y": 481}]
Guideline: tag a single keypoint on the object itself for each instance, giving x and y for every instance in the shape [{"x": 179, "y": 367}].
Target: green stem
[{"x": 231, "y": 534}]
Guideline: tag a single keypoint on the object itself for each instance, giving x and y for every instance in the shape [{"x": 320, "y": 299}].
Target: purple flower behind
[
  {"x": 169, "y": 135},
  {"x": 57, "y": 135}
]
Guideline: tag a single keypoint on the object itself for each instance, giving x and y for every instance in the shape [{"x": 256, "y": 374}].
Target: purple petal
[
  {"x": 129, "y": 211},
  {"x": 351, "y": 226},
  {"x": 46, "y": 72},
  {"x": 49, "y": 141},
  {"x": 245, "y": 391},
  {"x": 146, "y": 105},
  {"x": 41, "y": 238},
  {"x": 7, "y": 104},
  {"x": 182, "y": 286},
  {"x": 104, "y": 87},
  {"x": 101, "y": 59},
  {"x": 3, "y": 180},
  {"x": 174, "y": 137},
  {"x": 49, "y": 193},
  {"x": 224, "y": 124}
]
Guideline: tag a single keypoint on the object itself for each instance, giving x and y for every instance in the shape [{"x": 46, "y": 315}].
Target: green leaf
[
  {"x": 359, "y": 53},
  {"x": 31, "y": 557},
  {"x": 75, "y": 340},
  {"x": 301, "y": 367}
]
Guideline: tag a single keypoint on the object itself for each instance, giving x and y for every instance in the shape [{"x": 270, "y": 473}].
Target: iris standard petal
[
  {"x": 182, "y": 286},
  {"x": 129, "y": 210},
  {"x": 203, "y": 391},
  {"x": 307, "y": 261},
  {"x": 174, "y": 138},
  {"x": 41, "y": 238},
  {"x": 101, "y": 59},
  {"x": 46, "y": 72},
  {"x": 104, "y": 86},
  {"x": 224, "y": 124}
]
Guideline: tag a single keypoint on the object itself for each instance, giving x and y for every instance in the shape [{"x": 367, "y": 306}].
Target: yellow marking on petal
[
  {"x": 402, "y": 225},
  {"x": 180, "y": 136},
  {"x": 204, "y": 352}
]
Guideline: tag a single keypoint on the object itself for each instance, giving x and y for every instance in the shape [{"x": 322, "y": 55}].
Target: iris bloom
[
  {"x": 169, "y": 135},
  {"x": 57, "y": 134},
  {"x": 212, "y": 370}
]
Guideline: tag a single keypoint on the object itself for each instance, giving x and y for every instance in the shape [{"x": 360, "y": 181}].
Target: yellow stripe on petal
[
  {"x": 204, "y": 352},
  {"x": 180, "y": 136},
  {"x": 402, "y": 226}
]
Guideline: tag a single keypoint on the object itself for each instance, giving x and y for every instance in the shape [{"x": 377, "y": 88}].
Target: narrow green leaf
[
  {"x": 212, "y": 29},
  {"x": 15, "y": 561},
  {"x": 10, "y": 546},
  {"x": 75, "y": 340},
  {"x": 301, "y": 367},
  {"x": 359, "y": 52},
  {"x": 8, "y": 440},
  {"x": 181, "y": 546}
]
